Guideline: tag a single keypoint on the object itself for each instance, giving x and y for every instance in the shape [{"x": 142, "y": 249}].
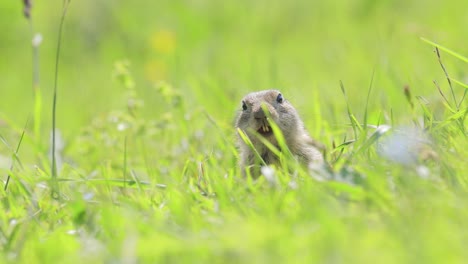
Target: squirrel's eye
[
  {"x": 279, "y": 99},
  {"x": 244, "y": 106}
]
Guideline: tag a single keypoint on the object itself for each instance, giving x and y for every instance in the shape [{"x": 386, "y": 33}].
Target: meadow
[{"x": 145, "y": 148}]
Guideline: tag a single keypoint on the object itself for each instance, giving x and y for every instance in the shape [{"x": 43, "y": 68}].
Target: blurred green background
[
  {"x": 216, "y": 51},
  {"x": 148, "y": 91}
]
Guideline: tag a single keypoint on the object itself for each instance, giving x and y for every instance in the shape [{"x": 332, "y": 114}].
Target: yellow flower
[{"x": 163, "y": 42}]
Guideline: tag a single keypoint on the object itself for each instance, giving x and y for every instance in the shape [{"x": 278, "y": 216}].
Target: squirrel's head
[{"x": 259, "y": 109}]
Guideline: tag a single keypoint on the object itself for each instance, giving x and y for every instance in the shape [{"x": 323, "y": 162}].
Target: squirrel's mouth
[{"x": 265, "y": 130}]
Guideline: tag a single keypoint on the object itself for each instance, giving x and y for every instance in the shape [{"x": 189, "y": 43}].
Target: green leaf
[{"x": 449, "y": 51}]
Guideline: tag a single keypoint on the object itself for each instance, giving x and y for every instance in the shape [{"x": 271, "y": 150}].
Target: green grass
[{"x": 146, "y": 157}]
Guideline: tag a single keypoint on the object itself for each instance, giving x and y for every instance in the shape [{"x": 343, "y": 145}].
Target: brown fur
[{"x": 253, "y": 119}]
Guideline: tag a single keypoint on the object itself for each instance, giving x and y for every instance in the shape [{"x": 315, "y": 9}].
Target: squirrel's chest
[{"x": 268, "y": 156}]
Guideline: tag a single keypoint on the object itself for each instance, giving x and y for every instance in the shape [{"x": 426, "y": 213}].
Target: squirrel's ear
[{"x": 279, "y": 98}]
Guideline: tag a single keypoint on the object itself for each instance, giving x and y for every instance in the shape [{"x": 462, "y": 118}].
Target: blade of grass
[
  {"x": 247, "y": 141},
  {"x": 464, "y": 93},
  {"x": 392, "y": 120},
  {"x": 452, "y": 118},
  {"x": 456, "y": 55},
  {"x": 373, "y": 138},
  {"x": 443, "y": 95},
  {"x": 136, "y": 180},
  {"x": 287, "y": 159},
  {"x": 351, "y": 117},
  {"x": 428, "y": 116},
  {"x": 36, "y": 40},
  {"x": 447, "y": 76},
  {"x": 125, "y": 162},
  {"x": 15, "y": 154},
  {"x": 459, "y": 83},
  {"x": 55, "y": 187},
  {"x": 342, "y": 145},
  {"x": 449, "y": 51},
  {"x": 367, "y": 103}
]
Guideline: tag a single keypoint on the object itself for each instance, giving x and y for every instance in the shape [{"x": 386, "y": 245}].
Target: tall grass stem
[{"x": 55, "y": 188}]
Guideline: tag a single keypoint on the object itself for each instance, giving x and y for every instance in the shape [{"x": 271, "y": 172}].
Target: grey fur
[{"x": 286, "y": 117}]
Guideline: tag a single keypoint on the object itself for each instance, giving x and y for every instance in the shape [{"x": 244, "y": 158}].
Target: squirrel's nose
[{"x": 259, "y": 113}]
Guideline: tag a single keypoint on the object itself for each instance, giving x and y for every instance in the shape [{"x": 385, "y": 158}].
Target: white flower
[
  {"x": 403, "y": 145},
  {"x": 269, "y": 174},
  {"x": 37, "y": 40}
]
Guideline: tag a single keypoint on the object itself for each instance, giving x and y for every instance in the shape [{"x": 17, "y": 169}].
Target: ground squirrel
[{"x": 254, "y": 122}]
